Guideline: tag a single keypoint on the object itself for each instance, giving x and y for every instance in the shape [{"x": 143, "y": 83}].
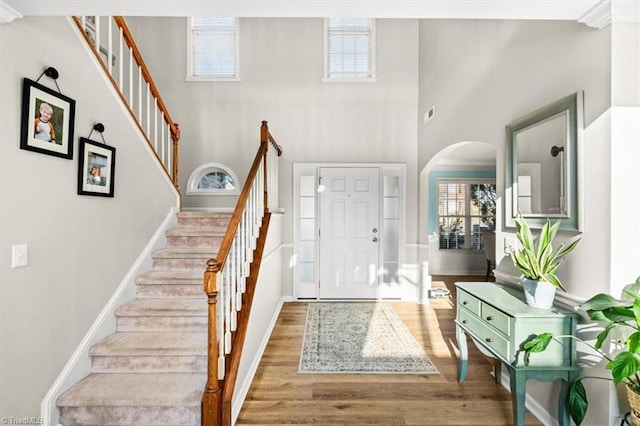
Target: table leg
[
  {"x": 497, "y": 370},
  {"x": 563, "y": 412},
  {"x": 462, "y": 345},
  {"x": 517, "y": 383}
]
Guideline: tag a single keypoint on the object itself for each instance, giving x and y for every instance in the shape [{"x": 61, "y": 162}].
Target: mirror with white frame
[{"x": 542, "y": 163}]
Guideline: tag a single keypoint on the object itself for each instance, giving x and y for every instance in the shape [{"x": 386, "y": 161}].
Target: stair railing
[
  {"x": 229, "y": 282},
  {"x": 113, "y": 45}
]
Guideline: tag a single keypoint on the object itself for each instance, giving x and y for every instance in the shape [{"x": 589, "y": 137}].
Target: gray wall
[
  {"x": 80, "y": 247},
  {"x": 281, "y": 67}
]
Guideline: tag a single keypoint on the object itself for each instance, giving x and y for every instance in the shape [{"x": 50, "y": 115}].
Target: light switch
[{"x": 19, "y": 255}]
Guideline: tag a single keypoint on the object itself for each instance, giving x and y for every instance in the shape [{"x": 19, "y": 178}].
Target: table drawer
[
  {"x": 484, "y": 333},
  {"x": 498, "y": 319},
  {"x": 469, "y": 302}
]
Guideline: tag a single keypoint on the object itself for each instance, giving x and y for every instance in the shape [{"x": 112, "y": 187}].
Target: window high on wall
[
  {"x": 213, "y": 48},
  {"x": 465, "y": 209},
  {"x": 349, "y": 49}
]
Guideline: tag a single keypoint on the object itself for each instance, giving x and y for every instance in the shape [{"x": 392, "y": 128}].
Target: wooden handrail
[
  {"x": 174, "y": 130},
  {"x": 265, "y": 136},
  {"x": 225, "y": 245},
  {"x": 243, "y": 243},
  {"x": 119, "y": 20}
]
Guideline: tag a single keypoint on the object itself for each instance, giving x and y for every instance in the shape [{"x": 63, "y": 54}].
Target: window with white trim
[
  {"x": 465, "y": 208},
  {"x": 213, "y": 48},
  {"x": 212, "y": 179},
  {"x": 349, "y": 49}
]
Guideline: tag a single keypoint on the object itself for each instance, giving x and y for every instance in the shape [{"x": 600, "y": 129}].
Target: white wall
[
  {"x": 481, "y": 75},
  {"x": 281, "y": 66},
  {"x": 80, "y": 247}
]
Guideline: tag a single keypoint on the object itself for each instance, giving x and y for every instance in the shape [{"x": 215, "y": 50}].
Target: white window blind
[
  {"x": 214, "y": 47},
  {"x": 349, "y": 47}
]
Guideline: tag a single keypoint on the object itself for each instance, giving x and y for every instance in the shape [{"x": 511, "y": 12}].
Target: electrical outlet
[{"x": 19, "y": 255}]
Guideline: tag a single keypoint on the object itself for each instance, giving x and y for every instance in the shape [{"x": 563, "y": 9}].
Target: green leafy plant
[
  {"x": 624, "y": 366},
  {"x": 538, "y": 260}
]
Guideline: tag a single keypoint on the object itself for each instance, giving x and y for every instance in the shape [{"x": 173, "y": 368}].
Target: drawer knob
[
  {"x": 488, "y": 340},
  {"x": 464, "y": 321},
  {"x": 490, "y": 318},
  {"x": 464, "y": 302}
]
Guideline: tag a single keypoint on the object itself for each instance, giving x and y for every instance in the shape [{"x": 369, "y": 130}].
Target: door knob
[
  {"x": 375, "y": 230},
  {"x": 375, "y": 240}
]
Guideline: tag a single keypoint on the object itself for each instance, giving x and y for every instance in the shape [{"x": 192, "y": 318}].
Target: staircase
[{"x": 152, "y": 370}]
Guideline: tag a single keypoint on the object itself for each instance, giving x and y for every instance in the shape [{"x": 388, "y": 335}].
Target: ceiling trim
[
  {"x": 7, "y": 13},
  {"x": 598, "y": 17},
  {"x": 418, "y": 9}
]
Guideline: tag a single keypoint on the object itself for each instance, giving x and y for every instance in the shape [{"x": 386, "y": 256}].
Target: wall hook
[
  {"x": 53, "y": 74},
  {"x": 98, "y": 127}
]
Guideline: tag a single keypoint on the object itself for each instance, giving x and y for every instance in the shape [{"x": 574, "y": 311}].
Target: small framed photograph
[
  {"x": 47, "y": 120},
  {"x": 96, "y": 168}
]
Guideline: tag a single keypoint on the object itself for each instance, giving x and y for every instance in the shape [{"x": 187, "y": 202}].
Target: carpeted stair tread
[
  {"x": 177, "y": 307},
  {"x": 136, "y": 389},
  {"x": 170, "y": 277},
  {"x": 184, "y": 253},
  {"x": 184, "y": 231},
  {"x": 151, "y": 344}
]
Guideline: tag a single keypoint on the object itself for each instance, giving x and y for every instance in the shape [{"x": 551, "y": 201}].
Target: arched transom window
[{"x": 211, "y": 179}]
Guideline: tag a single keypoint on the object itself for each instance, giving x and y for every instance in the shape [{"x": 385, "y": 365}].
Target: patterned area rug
[{"x": 359, "y": 338}]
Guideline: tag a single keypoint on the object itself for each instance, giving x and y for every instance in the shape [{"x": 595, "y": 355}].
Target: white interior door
[{"x": 349, "y": 233}]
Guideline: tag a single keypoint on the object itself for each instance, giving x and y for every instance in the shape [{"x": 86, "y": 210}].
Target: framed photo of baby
[
  {"x": 96, "y": 167},
  {"x": 47, "y": 120}
]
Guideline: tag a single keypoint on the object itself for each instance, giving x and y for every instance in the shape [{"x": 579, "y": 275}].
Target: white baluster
[
  {"x": 131, "y": 78},
  {"x": 139, "y": 93},
  {"x": 97, "y": 21},
  {"x": 234, "y": 259},
  {"x": 238, "y": 276},
  {"x": 155, "y": 124},
  {"x": 110, "y": 45},
  {"x": 220, "y": 327},
  {"x": 227, "y": 308},
  {"x": 170, "y": 151},
  {"x": 148, "y": 109},
  {"x": 120, "y": 51}
]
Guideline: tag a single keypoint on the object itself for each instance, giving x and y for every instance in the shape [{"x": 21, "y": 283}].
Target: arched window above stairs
[{"x": 213, "y": 179}]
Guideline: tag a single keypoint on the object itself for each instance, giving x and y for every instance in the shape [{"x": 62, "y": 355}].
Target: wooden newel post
[
  {"x": 264, "y": 132},
  {"x": 211, "y": 414},
  {"x": 264, "y": 140},
  {"x": 175, "y": 137}
]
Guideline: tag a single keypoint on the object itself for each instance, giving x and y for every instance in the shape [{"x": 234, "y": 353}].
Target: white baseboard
[{"x": 79, "y": 365}]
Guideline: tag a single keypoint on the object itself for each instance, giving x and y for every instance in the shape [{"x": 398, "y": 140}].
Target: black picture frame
[
  {"x": 54, "y": 137},
  {"x": 96, "y": 168}
]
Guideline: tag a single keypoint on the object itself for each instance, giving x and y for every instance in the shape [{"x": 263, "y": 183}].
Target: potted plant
[
  {"x": 538, "y": 261},
  {"x": 613, "y": 313}
]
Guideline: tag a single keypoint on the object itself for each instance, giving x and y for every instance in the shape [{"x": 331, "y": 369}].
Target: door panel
[{"x": 349, "y": 215}]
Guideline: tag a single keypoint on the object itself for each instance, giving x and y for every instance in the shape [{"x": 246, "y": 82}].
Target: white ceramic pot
[{"x": 538, "y": 294}]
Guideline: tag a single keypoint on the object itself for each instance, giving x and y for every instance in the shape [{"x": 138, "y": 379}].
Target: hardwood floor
[{"x": 279, "y": 395}]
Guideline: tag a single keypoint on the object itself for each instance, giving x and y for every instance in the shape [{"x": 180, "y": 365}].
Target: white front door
[{"x": 349, "y": 232}]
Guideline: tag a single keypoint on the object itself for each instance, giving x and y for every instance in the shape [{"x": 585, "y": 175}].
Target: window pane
[
  {"x": 213, "y": 47},
  {"x": 349, "y": 42},
  {"x": 216, "y": 180},
  {"x": 465, "y": 209}
]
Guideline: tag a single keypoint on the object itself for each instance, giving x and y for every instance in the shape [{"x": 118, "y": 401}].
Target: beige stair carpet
[{"x": 152, "y": 371}]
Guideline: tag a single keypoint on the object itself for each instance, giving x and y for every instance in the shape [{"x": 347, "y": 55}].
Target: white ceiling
[{"x": 436, "y": 9}]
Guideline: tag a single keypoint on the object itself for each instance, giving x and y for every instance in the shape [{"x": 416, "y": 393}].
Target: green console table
[{"x": 499, "y": 321}]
